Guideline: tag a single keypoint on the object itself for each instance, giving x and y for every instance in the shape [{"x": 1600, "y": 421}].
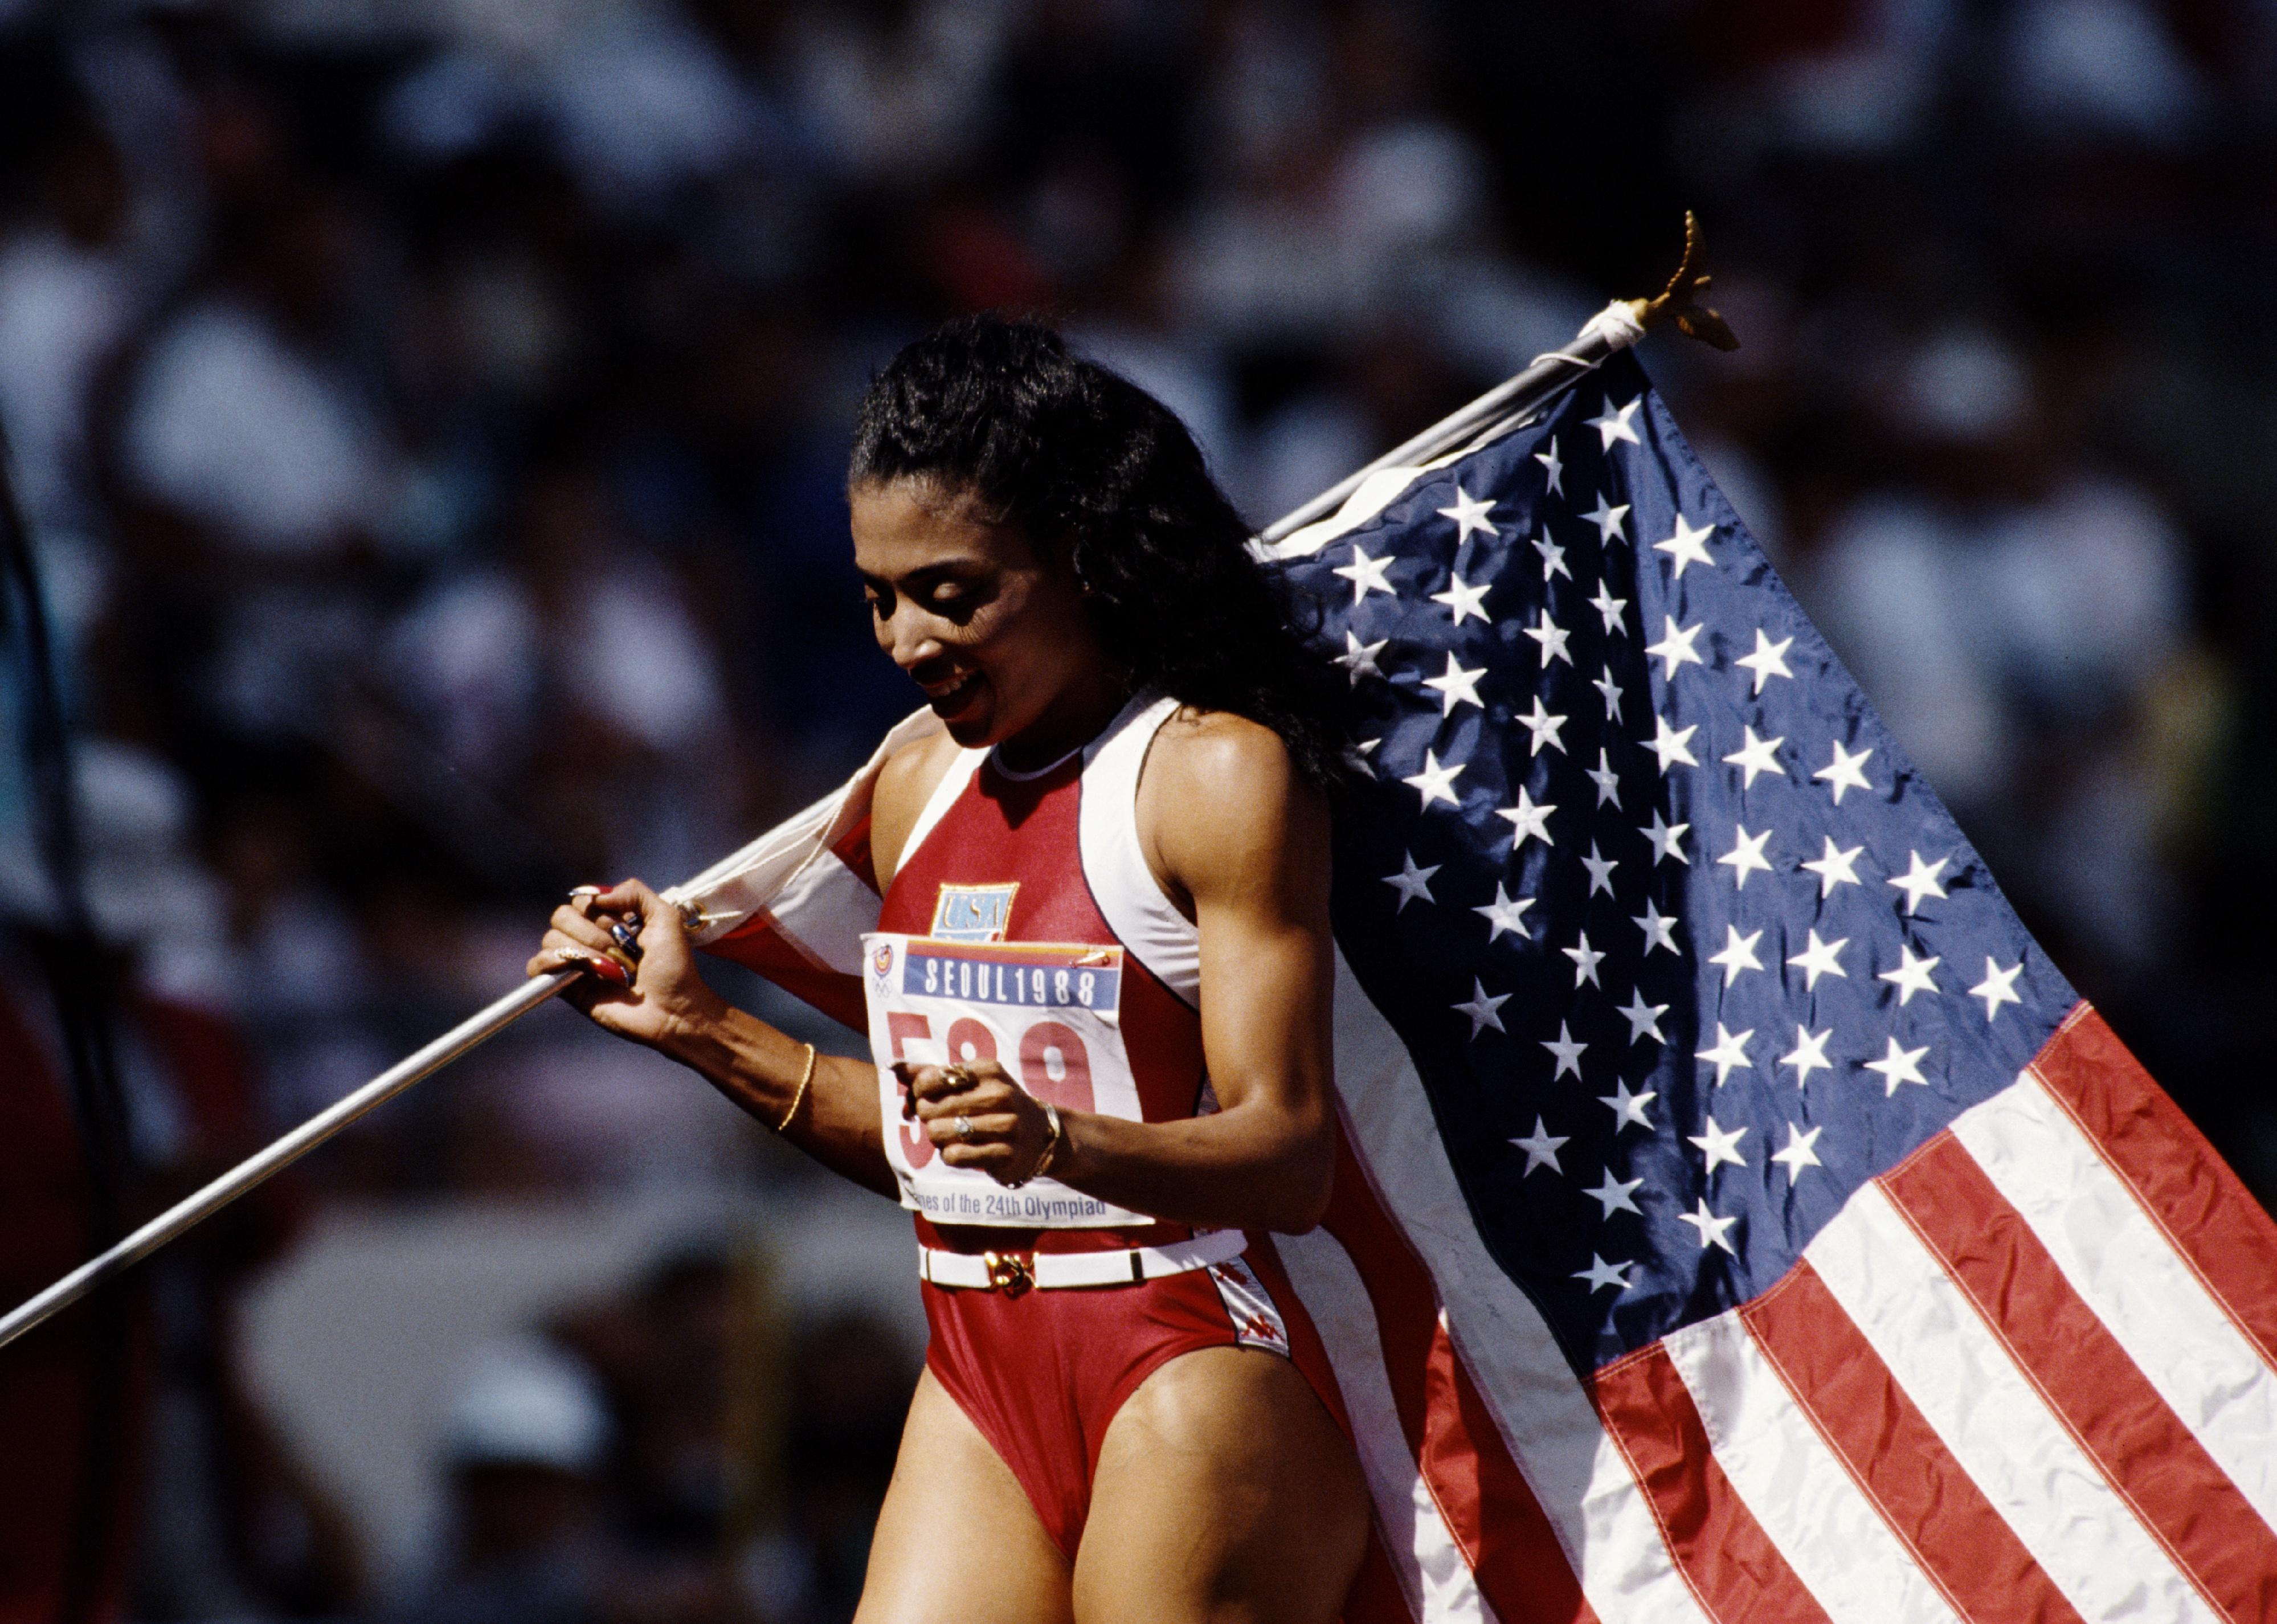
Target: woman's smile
[{"x": 950, "y": 698}]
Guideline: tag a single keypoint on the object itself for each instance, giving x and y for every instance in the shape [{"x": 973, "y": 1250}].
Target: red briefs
[{"x": 1043, "y": 1373}]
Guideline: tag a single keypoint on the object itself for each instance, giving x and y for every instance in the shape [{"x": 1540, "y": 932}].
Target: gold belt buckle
[{"x": 1008, "y": 1272}]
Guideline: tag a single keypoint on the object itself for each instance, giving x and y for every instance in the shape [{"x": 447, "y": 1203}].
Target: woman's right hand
[{"x": 663, "y": 999}]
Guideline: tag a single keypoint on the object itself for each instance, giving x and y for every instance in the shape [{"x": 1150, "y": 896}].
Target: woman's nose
[{"x": 910, "y": 641}]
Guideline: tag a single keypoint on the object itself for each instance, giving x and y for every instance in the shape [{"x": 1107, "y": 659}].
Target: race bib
[{"x": 1049, "y": 1013}]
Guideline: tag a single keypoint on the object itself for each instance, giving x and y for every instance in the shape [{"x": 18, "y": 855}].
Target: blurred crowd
[
  {"x": 662, "y": 1454},
  {"x": 430, "y": 418}
]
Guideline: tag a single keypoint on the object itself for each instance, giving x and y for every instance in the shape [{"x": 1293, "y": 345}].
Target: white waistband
[{"x": 1016, "y": 1272}]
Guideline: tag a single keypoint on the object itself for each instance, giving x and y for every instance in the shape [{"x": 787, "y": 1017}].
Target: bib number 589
[{"x": 1053, "y": 1066}]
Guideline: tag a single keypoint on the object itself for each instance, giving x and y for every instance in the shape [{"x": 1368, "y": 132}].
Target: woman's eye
[{"x": 954, "y": 600}]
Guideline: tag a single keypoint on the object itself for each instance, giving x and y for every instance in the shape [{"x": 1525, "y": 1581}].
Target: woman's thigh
[
  {"x": 1226, "y": 1492},
  {"x": 957, "y": 1542}
]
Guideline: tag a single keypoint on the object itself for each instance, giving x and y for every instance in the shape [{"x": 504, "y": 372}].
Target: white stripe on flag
[
  {"x": 824, "y": 910},
  {"x": 1579, "y": 1476},
  {"x": 1994, "y": 1421},
  {"x": 754, "y": 876},
  {"x": 1432, "y": 1572},
  {"x": 748, "y": 878},
  {"x": 2122, "y": 1266},
  {"x": 1809, "y": 1505},
  {"x": 1368, "y": 499}
]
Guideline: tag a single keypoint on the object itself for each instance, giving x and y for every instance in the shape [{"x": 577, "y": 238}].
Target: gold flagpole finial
[{"x": 1680, "y": 300}]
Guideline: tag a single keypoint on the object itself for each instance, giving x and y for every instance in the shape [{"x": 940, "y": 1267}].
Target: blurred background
[{"x": 430, "y": 418}]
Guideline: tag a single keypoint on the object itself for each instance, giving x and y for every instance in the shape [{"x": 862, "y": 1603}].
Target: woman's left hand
[
  {"x": 662, "y": 997},
  {"x": 979, "y": 1117}
]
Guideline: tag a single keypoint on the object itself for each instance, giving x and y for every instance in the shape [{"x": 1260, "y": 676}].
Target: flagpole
[
  {"x": 1613, "y": 328},
  {"x": 1610, "y": 331},
  {"x": 196, "y": 1207}
]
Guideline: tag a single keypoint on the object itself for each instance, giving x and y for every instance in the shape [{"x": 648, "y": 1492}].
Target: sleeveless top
[{"x": 1024, "y": 925}]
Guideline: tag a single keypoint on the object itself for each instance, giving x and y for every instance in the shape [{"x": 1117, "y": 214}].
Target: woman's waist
[{"x": 973, "y": 1239}]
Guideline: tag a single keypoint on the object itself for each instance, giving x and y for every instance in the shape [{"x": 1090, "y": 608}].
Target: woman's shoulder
[
  {"x": 1219, "y": 753},
  {"x": 906, "y": 782},
  {"x": 917, "y": 766},
  {"x": 1215, "y": 784},
  {"x": 1223, "y": 808}
]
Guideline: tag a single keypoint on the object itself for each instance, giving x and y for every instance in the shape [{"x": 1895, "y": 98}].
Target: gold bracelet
[
  {"x": 1052, "y": 1142},
  {"x": 804, "y": 1077}
]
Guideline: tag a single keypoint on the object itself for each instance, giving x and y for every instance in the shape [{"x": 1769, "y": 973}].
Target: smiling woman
[
  {"x": 975, "y": 614},
  {"x": 1099, "y": 1009}
]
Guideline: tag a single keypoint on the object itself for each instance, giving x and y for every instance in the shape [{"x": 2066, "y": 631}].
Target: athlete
[{"x": 1098, "y": 1008}]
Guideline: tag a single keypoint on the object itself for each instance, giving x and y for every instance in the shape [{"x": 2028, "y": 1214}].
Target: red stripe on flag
[
  {"x": 2180, "y": 1182},
  {"x": 2151, "y": 1458},
  {"x": 853, "y": 849},
  {"x": 1730, "y": 1562},
  {"x": 1398, "y": 1286},
  {"x": 757, "y": 945},
  {"x": 1520, "y": 1568},
  {"x": 1490, "y": 1509},
  {"x": 1954, "y": 1533}
]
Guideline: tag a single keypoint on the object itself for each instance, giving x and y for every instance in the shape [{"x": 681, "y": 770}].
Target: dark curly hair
[{"x": 1078, "y": 457}]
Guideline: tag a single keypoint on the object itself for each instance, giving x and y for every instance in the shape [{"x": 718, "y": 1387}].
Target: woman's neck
[{"x": 1073, "y": 719}]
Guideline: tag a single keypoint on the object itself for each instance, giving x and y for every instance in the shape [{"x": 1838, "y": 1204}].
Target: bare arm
[
  {"x": 668, "y": 1007},
  {"x": 1238, "y": 839}
]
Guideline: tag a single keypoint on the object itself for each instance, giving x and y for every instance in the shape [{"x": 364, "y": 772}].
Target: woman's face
[{"x": 992, "y": 628}]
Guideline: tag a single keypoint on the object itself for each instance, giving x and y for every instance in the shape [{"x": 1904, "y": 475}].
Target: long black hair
[{"x": 1076, "y": 456}]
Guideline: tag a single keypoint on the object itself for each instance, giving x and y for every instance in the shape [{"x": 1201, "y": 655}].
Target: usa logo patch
[{"x": 972, "y": 913}]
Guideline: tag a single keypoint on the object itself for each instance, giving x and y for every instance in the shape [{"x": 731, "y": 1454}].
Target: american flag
[{"x": 1739, "y": 1217}]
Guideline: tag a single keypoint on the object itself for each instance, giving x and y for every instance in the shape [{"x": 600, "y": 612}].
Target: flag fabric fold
[{"x": 1738, "y": 1217}]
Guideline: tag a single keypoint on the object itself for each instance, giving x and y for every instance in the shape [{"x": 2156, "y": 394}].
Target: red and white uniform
[{"x": 1024, "y": 925}]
